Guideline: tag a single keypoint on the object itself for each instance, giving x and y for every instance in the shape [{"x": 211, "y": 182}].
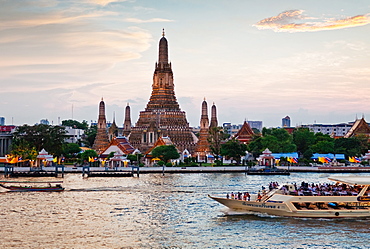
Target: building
[
  {"x": 232, "y": 129},
  {"x": 74, "y": 135},
  {"x": 44, "y": 122},
  {"x": 285, "y": 122},
  {"x": 2, "y": 121},
  {"x": 6, "y": 138},
  {"x": 334, "y": 130},
  {"x": 162, "y": 116},
  {"x": 255, "y": 125}
]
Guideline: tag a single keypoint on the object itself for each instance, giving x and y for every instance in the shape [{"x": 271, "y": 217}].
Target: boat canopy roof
[{"x": 352, "y": 180}]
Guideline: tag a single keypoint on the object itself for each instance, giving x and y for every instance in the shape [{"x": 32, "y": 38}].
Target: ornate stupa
[
  {"x": 214, "y": 122},
  {"x": 202, "y": 149},
  {"x": 113, "y": 129},
  {"x": 101, "y": 140},
  {"x": 127, "y": 122},
  {"x": 162, "y": 116}
]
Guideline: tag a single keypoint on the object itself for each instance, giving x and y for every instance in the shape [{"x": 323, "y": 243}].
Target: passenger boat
[
  {"x": 348, "y": 197},
  {"x": 28, "y": 186}
]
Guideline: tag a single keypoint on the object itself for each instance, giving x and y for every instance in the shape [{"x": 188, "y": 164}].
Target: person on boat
[
  {"x": 232, "y": 195},
  {"x": 259, "y": 197},
  {"x": 227, "y": 196},
  {"x": 248, "y": 196}
]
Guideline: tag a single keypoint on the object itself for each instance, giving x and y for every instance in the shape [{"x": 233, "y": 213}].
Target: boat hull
[
  {"x": 282, "y": 209},
  {"x": 32, "y": 189}
]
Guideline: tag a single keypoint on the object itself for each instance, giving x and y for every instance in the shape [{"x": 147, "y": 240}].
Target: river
[{"x": 171, "y": 211}]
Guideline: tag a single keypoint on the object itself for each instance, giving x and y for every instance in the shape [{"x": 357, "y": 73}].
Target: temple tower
[
  {"x": 202, "y": 148},
  {"x": 214, "y": 122},
  {"x": 127, "y": 122},
  {"x": 101, "y": 140},
  {"x": 162, "y": 115},
  {"x": 113, "y": 129}
]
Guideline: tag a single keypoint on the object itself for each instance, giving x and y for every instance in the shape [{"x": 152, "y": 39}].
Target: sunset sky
[{"x": 256, "y": 60}]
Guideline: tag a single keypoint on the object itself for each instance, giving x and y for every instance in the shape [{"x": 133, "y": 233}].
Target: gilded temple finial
[{"x": 163, "y": 32}]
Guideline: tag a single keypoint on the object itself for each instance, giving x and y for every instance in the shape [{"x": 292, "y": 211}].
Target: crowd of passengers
[
  {"x": 326, "y": 189},
  {"x": 305, "y": 189}
]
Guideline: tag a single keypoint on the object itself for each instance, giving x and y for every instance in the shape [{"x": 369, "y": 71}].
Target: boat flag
[
  {"x": 356, "y": 159},
  {"x": 328, "y": 159},
  {"x": 14, "y": 160},
  {"x": 351, "y": 159},
  {"x": 294, "y": 160},
  {"x": 55, "y": 159}
]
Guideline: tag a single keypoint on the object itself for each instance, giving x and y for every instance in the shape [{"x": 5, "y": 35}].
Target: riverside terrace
[{"x": 216, "y": 169}]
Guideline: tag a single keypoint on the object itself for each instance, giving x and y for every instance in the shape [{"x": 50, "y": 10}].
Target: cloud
[
  {"x": 294, "y": 21},
  {"x": 104, "y": 2},
  {"x": 136, "y": 20}
]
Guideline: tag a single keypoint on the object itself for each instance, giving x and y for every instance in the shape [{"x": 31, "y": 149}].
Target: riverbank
[{"x": 216, "y": 169}]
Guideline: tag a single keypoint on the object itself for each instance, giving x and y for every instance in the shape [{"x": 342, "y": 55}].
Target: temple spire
[
  {"x": 127, "y": 122},
  {"x": 163, "y": 50},
  {"x": 214, "y": 122},
  {"x": 101, "y": 140}
]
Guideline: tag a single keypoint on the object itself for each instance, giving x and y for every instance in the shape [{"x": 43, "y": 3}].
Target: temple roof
[
  {"x": 160, "y": 141},
  {"x": 121, "y": 143},
  {"x": 245, "y": 134},
  {"x": 359, "y": 127}
]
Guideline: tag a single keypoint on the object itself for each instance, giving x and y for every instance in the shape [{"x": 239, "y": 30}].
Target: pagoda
[
  {"x": 162, "y": 116},
  {"x": 101, "y": 140},
  {"x": 202, "y": 148}
]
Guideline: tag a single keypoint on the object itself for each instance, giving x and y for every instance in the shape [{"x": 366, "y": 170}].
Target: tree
[
  {"x": 277, "y": 140},
  {"x": 88, "y": 154},
  {"x": 234, "y": 150},
  {"x": 352, "y": 146},
  {"x": 134, "y": 157},
  {"x": 22, "y": 148},
  {"x": 216, "y": 136},
  {"x": 48, "y": 137},
  {"x": 75, "y": 124},
  {"x": 323, "y": 147},
  {"x": 165, "y": 152},
  {"x": 303, "y": 138},
  {"x": 89, "y": 136},
  {"x": 71, "y": 149}
]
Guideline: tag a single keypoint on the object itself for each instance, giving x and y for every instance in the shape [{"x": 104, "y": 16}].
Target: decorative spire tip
[{"x": 163, "y": 32}]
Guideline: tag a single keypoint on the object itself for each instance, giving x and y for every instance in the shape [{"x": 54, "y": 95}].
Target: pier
[{"x": 131, "y": 171}]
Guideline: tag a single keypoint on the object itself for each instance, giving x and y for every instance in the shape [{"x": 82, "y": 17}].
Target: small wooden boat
[
  {"x": 28, "y": 186},
  {"x": 267, "y": 171}
]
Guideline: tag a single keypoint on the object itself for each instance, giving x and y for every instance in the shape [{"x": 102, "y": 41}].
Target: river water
[{"x": 171, "y": 211}]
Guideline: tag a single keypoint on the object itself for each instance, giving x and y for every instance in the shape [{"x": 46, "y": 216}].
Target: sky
[{"x": 256, "y": 60}]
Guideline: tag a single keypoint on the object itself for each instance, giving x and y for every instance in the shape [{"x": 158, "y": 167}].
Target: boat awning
[
  {"x": 331, "y": 156},
  {"x": 280, "y": 155},
  {"x": 352, "y": 180}
]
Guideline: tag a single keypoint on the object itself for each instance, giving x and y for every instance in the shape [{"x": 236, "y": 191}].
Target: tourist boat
[
  {"x": 27, "y": 186},
  {"x": 349, "y": 197}
]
